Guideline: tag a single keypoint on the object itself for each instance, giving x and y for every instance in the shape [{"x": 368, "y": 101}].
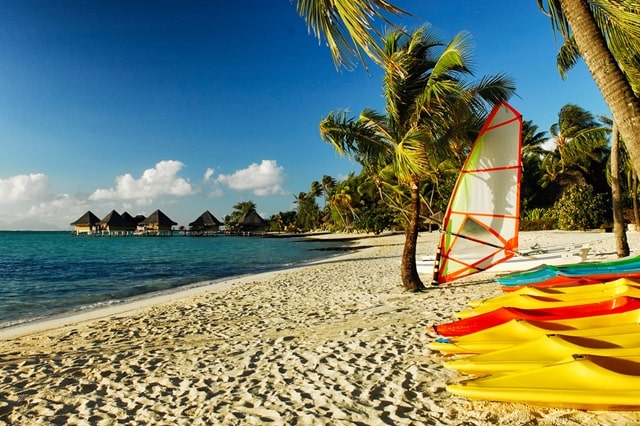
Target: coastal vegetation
[
  {"x": 602, "y": 32},
  {"x": 379, "y": 196},
  {"x": 431, "y": 106}
]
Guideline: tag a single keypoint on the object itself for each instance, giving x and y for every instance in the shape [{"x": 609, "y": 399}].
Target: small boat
[
  {"x": 583, "y": 382},
  {"x": 547, "y": 350},
  {"x": 501, "y": 315}
]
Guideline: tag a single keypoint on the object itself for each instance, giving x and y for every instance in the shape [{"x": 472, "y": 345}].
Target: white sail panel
[{"x": 480, "y": 227}]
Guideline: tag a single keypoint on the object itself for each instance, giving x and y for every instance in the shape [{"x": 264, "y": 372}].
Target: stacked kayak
[
  {"x": 534, "y": 298},
  {"x": 570, "y": 346},
  {"x": 501, "y": 315},
  {"x": 578, "y": 273},
  {"x": 583, "y": 381}
]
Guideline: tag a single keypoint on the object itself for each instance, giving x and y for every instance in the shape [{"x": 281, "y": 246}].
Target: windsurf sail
[{"x": 480, "y": 226}]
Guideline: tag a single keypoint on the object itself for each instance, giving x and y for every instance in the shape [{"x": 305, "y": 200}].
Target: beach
[{"x": 336, "y": 342}]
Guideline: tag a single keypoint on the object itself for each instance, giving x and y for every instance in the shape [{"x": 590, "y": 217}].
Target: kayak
[
  {"x": 599, "y": 292},
  {"x": 583, "y": 382},
  {"x": 519, "y": 331},
  {"x": 499, "y": 316},
  {"x": 625, "y": 265},
  {"x": 577, "y": 281},
  {"x": 553, "y": 292},
  {"x": 533, "y": 291},
  {"x": 546, "y": 350}
]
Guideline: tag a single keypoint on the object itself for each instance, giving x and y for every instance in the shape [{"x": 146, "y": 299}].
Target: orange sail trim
[{"x": 480, "y": 227}]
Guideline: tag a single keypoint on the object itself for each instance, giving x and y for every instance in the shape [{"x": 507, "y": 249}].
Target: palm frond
[
  {"x": 567, "y": 57},
  {"x": 348, "y": 27}
]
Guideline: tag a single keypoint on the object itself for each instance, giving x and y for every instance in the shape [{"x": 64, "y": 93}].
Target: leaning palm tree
[
  {"x": 425, "y": 94},
  {"x": 622, "y": 245},
  {"x": 606, "y": 34}
]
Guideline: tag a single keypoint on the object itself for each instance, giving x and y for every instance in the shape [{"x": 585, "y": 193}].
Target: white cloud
[
  {"x": 34, "y": 186},
  {"x": 215, "y": 193},
  {"x": 208, "y": 174},
  {"x": 263, "y": 179},
  {"x": 161, "y": 180},
  {"x": 59, "y": 206}
]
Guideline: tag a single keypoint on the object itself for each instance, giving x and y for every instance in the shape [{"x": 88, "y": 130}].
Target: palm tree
[
  {"x": 308, "y": 211},
  {"x": 239, "y": 209},
  {"x": 344, "y": 201},
  {"x": 532, "y": 140},
  {"x": 580, "y": 144},
  {"x": 316, "y": 189},
  {"x": 328, "y": 183},
  {"x": 425, "y": 94},
  {"x": 631, "y": 179},
  {"x": 532, "y": 153},
  {"x": 603, "y": 33},
  {"x": 348, "y": 27},
  {"x": 622, "y": 245}
]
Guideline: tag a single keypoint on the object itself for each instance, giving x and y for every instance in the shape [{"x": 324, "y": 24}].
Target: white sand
[{"x": 336, "y": 343}]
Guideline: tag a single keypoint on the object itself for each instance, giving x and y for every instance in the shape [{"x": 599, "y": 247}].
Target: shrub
[
  {"x": 541, "y": 224},
  {"x": 580, "y": 208}
]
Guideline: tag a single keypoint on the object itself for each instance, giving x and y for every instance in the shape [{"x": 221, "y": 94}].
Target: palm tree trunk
[
  {"x": 636, "y": 211},
  {"x": 410, "y": 279},
  {"x": 622, "y": 245},
  {"x": 615, "y": 88}
]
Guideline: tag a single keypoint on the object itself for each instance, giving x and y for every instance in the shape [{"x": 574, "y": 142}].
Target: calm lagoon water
[{"x": 48, "y": 273}]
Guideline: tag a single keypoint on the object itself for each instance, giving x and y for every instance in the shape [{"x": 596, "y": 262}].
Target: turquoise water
[{"x": 48, "y": 273}]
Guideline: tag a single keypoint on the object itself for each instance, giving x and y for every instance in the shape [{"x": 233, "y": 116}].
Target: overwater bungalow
[
  {"x": 113, "y": 224},
  {"x": 206, "y": 224},
  {"x": 157, "y": 223},
  {"x": 251, "y": 223},
  {"x": 131, "y": 222},
  {"x": 87, "y": 224}
]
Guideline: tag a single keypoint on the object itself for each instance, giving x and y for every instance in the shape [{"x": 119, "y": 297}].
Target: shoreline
[
  {"x": 134, "y": 304},
  {"x": 138, "y": 301},
  {"x": 333, "y": 342}
]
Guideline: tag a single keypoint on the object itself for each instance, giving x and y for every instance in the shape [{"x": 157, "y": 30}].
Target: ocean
[{"x": 43, "y": 274}]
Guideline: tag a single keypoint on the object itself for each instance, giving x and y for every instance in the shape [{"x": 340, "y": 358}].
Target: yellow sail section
[{"x": 480, "y": 227}]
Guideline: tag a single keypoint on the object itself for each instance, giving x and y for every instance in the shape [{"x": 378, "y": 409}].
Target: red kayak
[
  {"x": 563, "y": 281},
  {"x": 501, "y": 315}
]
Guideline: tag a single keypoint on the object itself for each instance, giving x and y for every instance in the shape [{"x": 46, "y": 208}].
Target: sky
[{"x": 194, "y": 105}]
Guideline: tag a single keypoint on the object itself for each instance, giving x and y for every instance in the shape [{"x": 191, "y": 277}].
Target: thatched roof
[
  {"x": 158, "y": 218},
  {"x": 87, "y": 219},
  {"x": 132, "y": 220},
  {"x": 113, "y": 219},
  {"x": 252, "y": 220},
  {"x": 206, "y": 220}
]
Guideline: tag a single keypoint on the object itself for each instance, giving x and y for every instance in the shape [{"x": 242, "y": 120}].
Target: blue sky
[{"x": 197, "y": 105}]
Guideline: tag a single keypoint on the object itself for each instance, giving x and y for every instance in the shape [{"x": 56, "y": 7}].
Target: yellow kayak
[
  {"x": 546, "y": 350},
  {"x": 583, "y": 382},
  {"x": 552, "y": 292},
  {"x": 518, "y": 331},
  {"x": 525, "y": 301}
]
